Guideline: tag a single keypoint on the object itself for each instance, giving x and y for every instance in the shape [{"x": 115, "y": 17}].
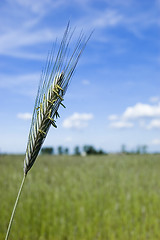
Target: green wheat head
[
  {"x": 51, "y": 91},
  {"x": 53, "y": 84}
]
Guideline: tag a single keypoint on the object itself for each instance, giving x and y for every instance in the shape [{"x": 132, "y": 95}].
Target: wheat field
[{"x": 111, "y": 197}]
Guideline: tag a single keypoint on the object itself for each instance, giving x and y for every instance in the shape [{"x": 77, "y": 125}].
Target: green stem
[{"x": 14, "y": 209}]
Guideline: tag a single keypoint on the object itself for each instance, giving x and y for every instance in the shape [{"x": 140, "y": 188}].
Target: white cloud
[
  {"x": 24, "y": 116},
  {"x": 13, "y": 40},
  {"x": 121, "y": 124},
  {"x": 39, "y": 8},
  {"x": 154, "y": 99},
  {"x": 18, "y": 80},
  {"x": 107, "y": 18},
  {"x": 77, "y": 120},
  {"x": 155, "y": 141},
  {"x": 35, "y": 6},
  {"x": 141, "y": 110},
  {"x": 112, "y": 16},
  {"x": 21, "y": 26},
  {"x": 155, "y": 123},
  {"x": 112, "y": 117}
]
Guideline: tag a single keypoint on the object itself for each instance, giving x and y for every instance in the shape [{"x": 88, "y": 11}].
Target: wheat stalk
[{"x": 52, "y": 87}]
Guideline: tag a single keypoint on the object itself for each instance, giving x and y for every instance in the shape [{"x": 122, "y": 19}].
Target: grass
[{"x": 65, "y": 198}]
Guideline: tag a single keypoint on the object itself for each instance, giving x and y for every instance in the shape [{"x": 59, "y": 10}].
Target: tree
[
  {"x": 66, "y": 151},
  {"x": 123, "y": 148},
  {"x": 138, "y": 151},
  {"x": 144, "y": 149},
  {"x": 47, "y": 150},
  {"x": 100, "y": 152},
  {"x": 77, "y": 150},
  {"x": 88, "y": 149},
  {"x": 60, "y": 150}
]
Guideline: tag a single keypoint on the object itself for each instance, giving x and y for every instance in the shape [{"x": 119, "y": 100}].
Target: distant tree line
[
  {"x": 141, "y": 149},
  {"x": 47, "y": 150},
  {"x": 85, "y": 150},
  {"x": 90, "y": 150}
]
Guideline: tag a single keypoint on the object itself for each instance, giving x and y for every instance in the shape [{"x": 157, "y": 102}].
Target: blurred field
[{"x": 98, "y": 197}]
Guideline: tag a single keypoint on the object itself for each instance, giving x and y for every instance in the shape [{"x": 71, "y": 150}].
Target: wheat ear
[{"x": 52, "y": 87}]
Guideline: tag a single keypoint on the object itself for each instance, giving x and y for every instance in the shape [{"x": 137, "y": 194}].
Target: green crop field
[{"x": 114, "y": 197}]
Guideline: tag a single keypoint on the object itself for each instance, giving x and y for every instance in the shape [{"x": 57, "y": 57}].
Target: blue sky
[{"x": 114, "y": 96}]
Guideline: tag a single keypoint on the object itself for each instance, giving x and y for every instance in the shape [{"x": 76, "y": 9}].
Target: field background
[{"x": 95, "y": 197}]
